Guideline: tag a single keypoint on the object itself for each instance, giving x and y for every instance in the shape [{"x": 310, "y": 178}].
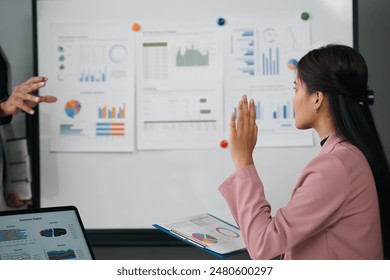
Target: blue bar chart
[
  {"x": 279, "y": 111},
  {"x": 283, "y": 111},
  {"x": 243, "y": 49},
  {"x": 69, "y": 130},
  {"x": 270, "y": 62},
  {"x": 89, "y": 76}
]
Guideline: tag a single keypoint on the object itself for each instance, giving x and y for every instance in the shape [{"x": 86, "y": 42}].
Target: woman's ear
[{"x": 318, "y": 98}]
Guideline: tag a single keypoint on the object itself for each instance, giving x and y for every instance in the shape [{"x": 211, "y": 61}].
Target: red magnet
[{"x": 224, "y": 143}]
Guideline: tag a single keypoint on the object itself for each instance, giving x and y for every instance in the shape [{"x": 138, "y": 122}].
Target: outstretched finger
[
  {"x": 245, "y": 112},
  {"x": 47, "y": 99}
]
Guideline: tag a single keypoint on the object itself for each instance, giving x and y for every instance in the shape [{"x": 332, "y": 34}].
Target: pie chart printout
[{"x": 72, "y": 108}]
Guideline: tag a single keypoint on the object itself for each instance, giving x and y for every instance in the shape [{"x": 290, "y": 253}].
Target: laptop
[{"x": 53, "y": 233}]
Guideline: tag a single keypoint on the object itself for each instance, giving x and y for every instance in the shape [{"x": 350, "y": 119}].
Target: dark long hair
[{"x": 340, "y": 72}]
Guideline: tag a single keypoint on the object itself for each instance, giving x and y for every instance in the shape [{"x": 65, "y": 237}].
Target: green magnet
[{"x": 305, "y": 16}]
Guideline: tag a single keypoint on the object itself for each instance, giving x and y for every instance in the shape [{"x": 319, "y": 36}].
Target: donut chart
[{"x": 227, "y": 232}]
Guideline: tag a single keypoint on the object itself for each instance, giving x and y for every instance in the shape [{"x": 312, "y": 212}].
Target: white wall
[
  {"x": 136, "y": 190},
  {"x": 16, "y": 39}
]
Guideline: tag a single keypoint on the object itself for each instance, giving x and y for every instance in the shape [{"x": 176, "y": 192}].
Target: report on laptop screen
[{"x": 54, "y": 233}]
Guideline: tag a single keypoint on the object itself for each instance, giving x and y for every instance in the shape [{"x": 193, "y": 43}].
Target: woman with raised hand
[{"x": 339, "y": 205}]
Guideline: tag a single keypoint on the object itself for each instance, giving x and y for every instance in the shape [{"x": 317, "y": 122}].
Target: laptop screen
[{"x": 54, "y": 233}]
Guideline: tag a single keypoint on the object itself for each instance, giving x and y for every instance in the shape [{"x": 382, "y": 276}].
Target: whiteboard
[{"x": 133, "y": 190}]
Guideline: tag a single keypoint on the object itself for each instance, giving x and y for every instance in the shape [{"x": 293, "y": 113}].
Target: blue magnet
[{"x": 221, "y": 21}]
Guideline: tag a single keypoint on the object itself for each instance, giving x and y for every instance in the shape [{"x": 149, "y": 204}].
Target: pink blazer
[{"x": 333, "y": 212}]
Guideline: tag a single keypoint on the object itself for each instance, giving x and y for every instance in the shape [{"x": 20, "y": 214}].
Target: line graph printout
[
  {"x": 93, "y": 78},
  {"x": 179, "y": 89},
  {"x": 261, "y": 62}
]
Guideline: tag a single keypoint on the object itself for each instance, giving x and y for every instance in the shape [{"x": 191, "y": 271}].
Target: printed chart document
[
  {"x": 261, "y": 61},
  {"x": 179, "y": 89},
  {"x": 206, "y": 232},
  {"x": 93, "y": 78}
]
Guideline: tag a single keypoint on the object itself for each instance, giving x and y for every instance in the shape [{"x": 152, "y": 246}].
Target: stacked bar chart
[{"x": 110, "y": 129}]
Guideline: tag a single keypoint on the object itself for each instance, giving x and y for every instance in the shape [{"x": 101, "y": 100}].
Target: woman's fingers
[{"x": 252, "y": 113}]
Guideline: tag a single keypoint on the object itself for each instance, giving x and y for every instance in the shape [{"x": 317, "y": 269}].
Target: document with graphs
[
  {"x": 206, "y": 232},
  {"x": 179, "y": 88}
]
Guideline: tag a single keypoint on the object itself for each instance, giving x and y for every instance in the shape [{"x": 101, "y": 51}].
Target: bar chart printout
[
  {"x": 95, "y": 87},
  {"x": 262, "y": 57}
]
